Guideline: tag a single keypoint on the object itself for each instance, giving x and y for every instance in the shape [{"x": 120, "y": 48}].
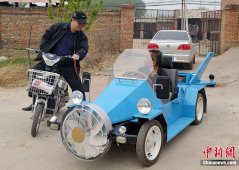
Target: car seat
[{"x": 167, "y": 68}]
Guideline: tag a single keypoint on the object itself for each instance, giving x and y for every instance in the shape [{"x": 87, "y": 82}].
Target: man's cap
[{"x": 80, "y": 17}]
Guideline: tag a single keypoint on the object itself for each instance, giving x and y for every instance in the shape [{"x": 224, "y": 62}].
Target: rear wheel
[
  {"x": 37, "y": 119},
  {"x": 149, "y": 142},
  {"x": 199, "y": 109},
  {"x": 190, "y": 65},
  {"x": 194, "y": 59}
]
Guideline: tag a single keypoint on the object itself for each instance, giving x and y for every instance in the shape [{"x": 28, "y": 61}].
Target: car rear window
[{"x": 170, "y": 35}]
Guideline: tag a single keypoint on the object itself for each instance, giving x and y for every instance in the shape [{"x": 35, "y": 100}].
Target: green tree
[
  {"x": 115, "y": 4},
  {"x": 65, "y": 9}
]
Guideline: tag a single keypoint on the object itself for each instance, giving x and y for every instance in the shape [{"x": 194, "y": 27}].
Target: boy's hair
[{"x": 157, "y": 55}]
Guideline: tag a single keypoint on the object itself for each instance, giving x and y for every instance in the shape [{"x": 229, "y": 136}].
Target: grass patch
[
  {"x": 13, "y": 52},
  {"x": 17, "y": 61}
]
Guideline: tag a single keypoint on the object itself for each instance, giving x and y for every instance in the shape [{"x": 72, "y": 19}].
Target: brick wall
[
  {"x": 127, "y": 26},
  {"x": 16, "y": 23},
  {"x": 230, "y": 29},
  {"x": 105, "y": 35},
  {"x": 224, "y": 3},
  {"x": 230, "y": 26}
]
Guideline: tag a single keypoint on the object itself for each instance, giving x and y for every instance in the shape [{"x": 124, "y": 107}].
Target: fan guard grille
[{"x": 85, "y": 132}]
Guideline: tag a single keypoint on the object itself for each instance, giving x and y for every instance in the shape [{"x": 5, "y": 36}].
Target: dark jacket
[{"x": 56, "y": 32}]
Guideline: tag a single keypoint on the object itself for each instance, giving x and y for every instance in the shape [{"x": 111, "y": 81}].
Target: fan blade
[
  {"x": 97, "y": 128},
  {"x": 89, "y": 120},
  {"x": 71, "y": 143},
  {"x": 71, "y": 123},
  {"x": 91, "y": 150},
  {"x": 96, "y": 140},
  {"x": 80, "y": 150}
]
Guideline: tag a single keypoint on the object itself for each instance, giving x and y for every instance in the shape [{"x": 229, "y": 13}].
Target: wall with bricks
[
  {"x": 230, "y": 25},
  {"x": 105, "y": 35},
  {"x": 224, "y": 3},
  {"x": 16, "y": 23},
  {"x": 127, "y": 25}
]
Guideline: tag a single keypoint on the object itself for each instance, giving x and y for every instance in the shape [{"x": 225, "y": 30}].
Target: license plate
[
  {"x": 39, "y": 84},
  {"x": 175, "y": 59}
]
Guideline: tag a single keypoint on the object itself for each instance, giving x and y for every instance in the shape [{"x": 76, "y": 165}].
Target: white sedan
[{"x": 177, "y": 44}]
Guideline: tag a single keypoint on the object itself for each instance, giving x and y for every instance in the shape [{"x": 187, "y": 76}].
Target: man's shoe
[{"x": 28, "y": 108}]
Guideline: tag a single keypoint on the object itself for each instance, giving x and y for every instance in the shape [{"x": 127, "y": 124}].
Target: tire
[
  {"x": 199, "y": 109},
  {"x": 194, "y": 59},
  {"x": 190, "y": 65},
  {"x": 65, "y": 114},
  {"x": 37, "y": 119},
  {"x": 149, "y": 130}
]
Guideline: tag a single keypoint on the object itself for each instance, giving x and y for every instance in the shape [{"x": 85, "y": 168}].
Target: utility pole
[
  {"x": 182, "y": 16},
  {"x": 186, "y": 15}
]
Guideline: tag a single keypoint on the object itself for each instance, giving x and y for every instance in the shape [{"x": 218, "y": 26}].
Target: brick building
[
  {"x": 230, "y": 24},
  {"x": 226, "y": 3}
]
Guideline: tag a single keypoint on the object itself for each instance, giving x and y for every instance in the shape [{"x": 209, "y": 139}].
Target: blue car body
[
  {"x": 119, "y": 100},
  {"x": 120, "y": 97}
]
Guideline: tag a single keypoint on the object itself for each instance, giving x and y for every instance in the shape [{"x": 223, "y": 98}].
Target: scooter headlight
[
  {"x": 77, "y": 97},
  {"x": 144, "y": 106}
]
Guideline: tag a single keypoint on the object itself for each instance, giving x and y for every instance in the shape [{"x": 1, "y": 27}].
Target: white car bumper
[{"x": 180, "y": 58}]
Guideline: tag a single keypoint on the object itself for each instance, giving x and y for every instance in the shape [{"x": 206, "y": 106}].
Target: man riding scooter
[{"x": 65, "y": 39}]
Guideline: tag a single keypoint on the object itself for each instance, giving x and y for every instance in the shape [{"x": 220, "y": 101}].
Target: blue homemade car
[{"x": 135, "y": 110}]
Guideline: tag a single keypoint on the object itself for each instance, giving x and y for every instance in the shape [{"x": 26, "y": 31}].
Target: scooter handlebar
[{"x": 36, "y": 50}]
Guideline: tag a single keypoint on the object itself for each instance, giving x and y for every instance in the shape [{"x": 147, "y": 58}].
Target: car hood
[{"x": 119, "y": 99}]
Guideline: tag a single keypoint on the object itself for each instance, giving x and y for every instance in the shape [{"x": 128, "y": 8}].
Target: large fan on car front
[{"x": 85, "y": 132}]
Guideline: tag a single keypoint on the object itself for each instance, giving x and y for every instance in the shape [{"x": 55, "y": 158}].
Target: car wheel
[
  {"x": 194, "y": 59},
  {"x": 199, "y": 109},
  {"x": 190, "y": 65},
  {"x": 149, "y": 142}
]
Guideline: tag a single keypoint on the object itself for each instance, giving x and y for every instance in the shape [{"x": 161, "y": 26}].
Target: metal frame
[
  {"x": 210, "y": 31},
  {"x": 151, "y": 20}
]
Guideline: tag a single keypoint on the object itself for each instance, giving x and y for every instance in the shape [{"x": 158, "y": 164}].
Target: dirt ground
[{"x": 220, "y": 127}]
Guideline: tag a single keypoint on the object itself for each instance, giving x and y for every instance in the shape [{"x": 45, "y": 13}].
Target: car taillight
[
  {"x": 184, "y": 47},
  {"x": 153, "y": 46}
]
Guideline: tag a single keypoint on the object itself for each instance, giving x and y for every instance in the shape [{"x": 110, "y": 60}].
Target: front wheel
[
  {"x": 37, "y": 119},
  {"x": 199, "y": 109},
  {"x": 149, "y": 142}
]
